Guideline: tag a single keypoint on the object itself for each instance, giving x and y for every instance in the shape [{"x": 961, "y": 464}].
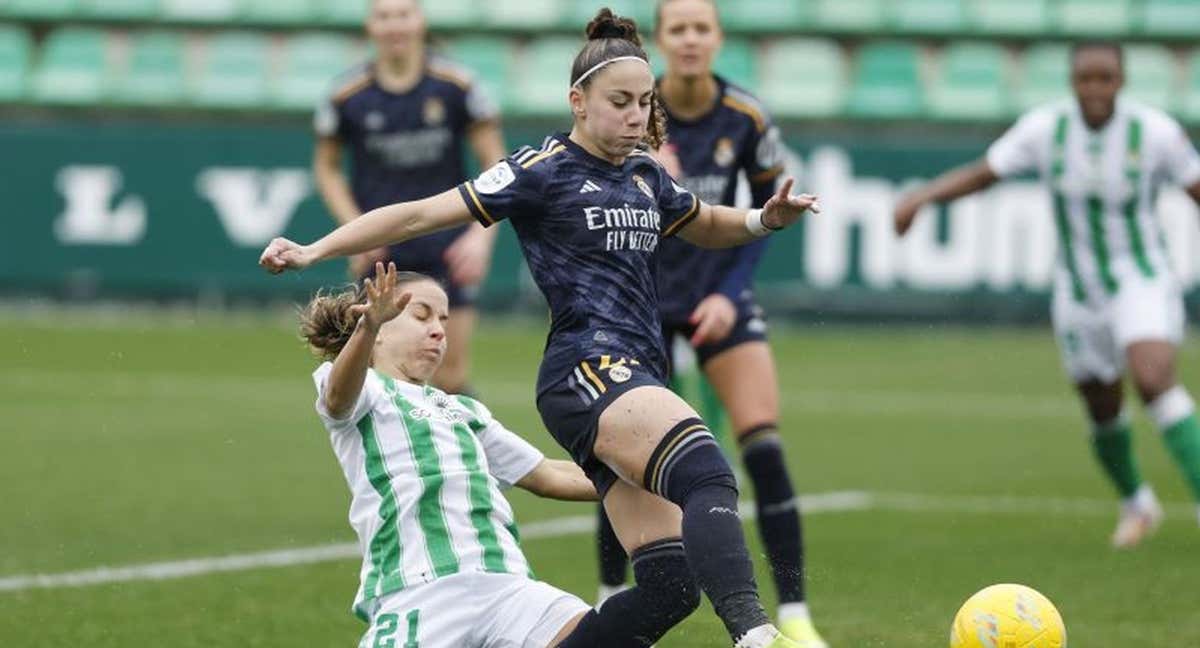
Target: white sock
[
  {"x": 1171, "y": 407},
  {"x": 608, "y": 591},
  {"x": 789, "y": 611},
  {"x": 759, "y": 637},
  {"x": 1142, "y": 499}
]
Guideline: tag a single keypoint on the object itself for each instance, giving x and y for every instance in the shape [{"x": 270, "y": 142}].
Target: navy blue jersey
[
  {"x": 590, "y": 232},
  {"x": 735, "y": 137},
  {"x": 405, "y": 146}
]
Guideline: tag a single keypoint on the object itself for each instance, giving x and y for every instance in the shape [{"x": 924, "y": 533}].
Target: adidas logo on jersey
[{"x": 590, "y": 187}]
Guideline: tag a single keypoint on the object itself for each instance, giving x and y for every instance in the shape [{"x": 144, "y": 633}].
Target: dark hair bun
[{"x": 606, "y": 24}]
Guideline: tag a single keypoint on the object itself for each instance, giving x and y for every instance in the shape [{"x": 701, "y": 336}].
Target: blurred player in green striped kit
[{"x": 1117, "y": 306}]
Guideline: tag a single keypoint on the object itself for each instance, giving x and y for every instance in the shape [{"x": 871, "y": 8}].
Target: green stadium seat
[
  {"x": 1099, "y": 17},
  {"x": 1171, "y": 17},
  {"x": 73, "y": 67},
  {"x": 849, "y": 15},
  {"x": 819, "y": 92},
  {"x": 1189, "y": 104},
  {"x": 279, "y": 12},
  {"x": 233, "y": 73},
  {"x": 887, "y": 81},
  {"x": 971, "y": 83},
  {"x": 344, "y": 13},
  {"x": 490, "y": 58},
  {"x": 737, "y": 62},
  {"x": 765, "y": 15},
  {"x": 115, "y": 10},
  {"x": 15, "y": 48},
  {"x": 39, "y": 9},
  {"x": 1150, "y": 75},
  {"x": 203, "y": 11},
  {"x": 1024, "y": 17},
  {"x": 1045, "y": 75},
  {"x": 155, "y": 72},
  {"x": 930, "y": 16},
  {"x": 524, "y": 15},
  {"x": 310, "y": 63},
  {"x": 451, "y": 14},
  {"x": 658, "y": 64},
  {"x": 579, "y": 12},
  {"x": 541, "y": 87}
]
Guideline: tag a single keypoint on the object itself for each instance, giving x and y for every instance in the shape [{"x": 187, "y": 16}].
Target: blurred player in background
[
  {"x": 716, "y": 132},
  {"x": 1117, "y": 307},
  {"x": 405, "y": 118},
  {"x": 589, "y": 209},
  {"x": 441, "y": 564}
]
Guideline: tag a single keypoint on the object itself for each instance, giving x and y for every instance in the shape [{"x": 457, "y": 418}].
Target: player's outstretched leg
[{"x": 1152, "y": 365}]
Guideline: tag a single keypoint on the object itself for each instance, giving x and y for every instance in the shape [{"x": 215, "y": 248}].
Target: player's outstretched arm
[
  {"x": 955, "y": 183},
  {"x": 557, "y": 479},
  {"x": 383, "y": 226},
  {"x": 349, "y": 372},
  {"x": 721, "y": 227}
]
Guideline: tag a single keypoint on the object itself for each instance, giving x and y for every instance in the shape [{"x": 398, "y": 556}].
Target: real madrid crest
[
  {"x": 619, "y": 373},
  {"x": 434, "y": 111},
  {"x": 641, "y": 184},
  {"x": 723, "y": 153}
]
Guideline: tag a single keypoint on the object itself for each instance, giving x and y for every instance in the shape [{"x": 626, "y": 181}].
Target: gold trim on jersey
[
  {"x": 656, "y": 472},
  {"x": 760, "y": 123},
  {"x": 541, "y": 156},
  {"x": 685, "y": 219},
  {"x": 475, "y": 198},
  {"x": 354, "y": 86},
  {"x": 587, "y": 369},
  {"x": 446, "y": 73}
]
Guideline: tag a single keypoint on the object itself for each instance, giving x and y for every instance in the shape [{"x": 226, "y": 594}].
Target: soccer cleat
[
  {"x": 1140, "y": 517},
  {"x": 803, "y": 633},
  {"x": 765, "y": 636}
]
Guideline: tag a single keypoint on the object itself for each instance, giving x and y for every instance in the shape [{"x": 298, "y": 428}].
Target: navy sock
[
  {"x": 665, "y": 594},
  {"x": 613, "y": 563},
  {"x": 778, "y": 514},
  {"x": 687, "y": 468}
]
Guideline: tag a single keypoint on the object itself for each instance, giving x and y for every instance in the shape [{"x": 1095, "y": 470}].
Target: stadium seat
[
  {"x": 451, "y": 14},
  {"x": 310, "y": 63},
  {"x": 1189, "y": 104},
  {"x": 490, "y": 58},
  {"x": 577, "y": 15},
  {"x": 930, "y": 16},
  {"x": 41, "y": 9},
  {"x": 765, "y": 15},
  {"x": 233, "y": 72},
  {"x": 545, "y": 76},
  {"x": 1171, "y": 17},
  {"x": 657, "y": 63},
  {"x": 343, "y": 13},
  {"x": 1025, "y": 17},
  {"x": 1150, "y": 75},
  {"x": 820, "y": 91},
  {"x": 971, "y": 83},
  {"x": 155, "y": 72},
  {"x": 1099, "y": 17},
  {"x": 523, "y": 15},
  {"x": 737, "y": 62},
  {"x": 279, "y": 12},
  {"x": 204, "y": 11},
  {"x": 120, "y": 9},
  {"x": 73, "y": 66},
  {"x": 849, "y": 15},
  {"x": 1045, "y": 75},
  {"x": 887, "y": 81},
  {"x": 14, "y": 62}
]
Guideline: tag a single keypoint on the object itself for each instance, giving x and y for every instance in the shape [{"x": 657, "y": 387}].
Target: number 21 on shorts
[{"x": 389, "y": 624}]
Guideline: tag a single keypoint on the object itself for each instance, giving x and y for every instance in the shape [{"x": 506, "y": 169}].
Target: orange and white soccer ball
[{"x": 1008, "y": 616}]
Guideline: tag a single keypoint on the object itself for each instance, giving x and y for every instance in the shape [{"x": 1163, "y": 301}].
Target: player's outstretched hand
[
  {"x": 905, "y": 213},
  {"x": 783, "y": 208},
  {"x": 383, "y": 303},
  {"x": 282, "y": 254}
]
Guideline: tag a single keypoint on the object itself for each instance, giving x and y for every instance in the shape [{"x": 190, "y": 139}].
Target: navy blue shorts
[
  {"x": 751, "y": 326},
  {"x": 571, "y": 409},
  {"x": 459, "y": 296}
]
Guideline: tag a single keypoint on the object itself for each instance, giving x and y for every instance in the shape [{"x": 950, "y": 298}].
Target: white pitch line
[{"x": 832, "y": 502}]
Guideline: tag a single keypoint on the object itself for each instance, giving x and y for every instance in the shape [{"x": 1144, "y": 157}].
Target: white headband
[{"x": 606, "y": 62}]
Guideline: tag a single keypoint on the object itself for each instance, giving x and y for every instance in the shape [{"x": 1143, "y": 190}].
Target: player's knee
[
  {"x": 666, "y": 581},
  {"x": 1153, "y": 381},
  {"x": 685, "y": 461}
]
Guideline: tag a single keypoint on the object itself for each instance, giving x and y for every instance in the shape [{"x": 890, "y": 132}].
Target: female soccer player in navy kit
[
  {"x": 405, "y": 118},
  {"x": 589, "y": 209},
  {"x": 718, "y": 132}
]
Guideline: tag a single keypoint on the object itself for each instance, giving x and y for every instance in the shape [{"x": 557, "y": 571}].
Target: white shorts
[
  {"x": 1093, "y": 336},
  {"x": 472, "y": 610}
]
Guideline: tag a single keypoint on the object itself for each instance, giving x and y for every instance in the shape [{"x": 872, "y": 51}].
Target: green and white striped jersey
[
  {"x": 425, "y": 471},
  {"x": 1103, "y": 186}
]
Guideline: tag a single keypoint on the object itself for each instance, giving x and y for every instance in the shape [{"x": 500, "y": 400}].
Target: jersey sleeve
[
  {"x": 327, "y": 119},
  {"x": 481, "y": 107},
  {"x": 1016, "y": 151},
  {"x": 678, "y": 205},
  {"x": 1180, "y": 159},
  {"x": 509, "y": 456},
  {"x": 363, "y": 405},
  {"x": 505, "y": 190}
]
